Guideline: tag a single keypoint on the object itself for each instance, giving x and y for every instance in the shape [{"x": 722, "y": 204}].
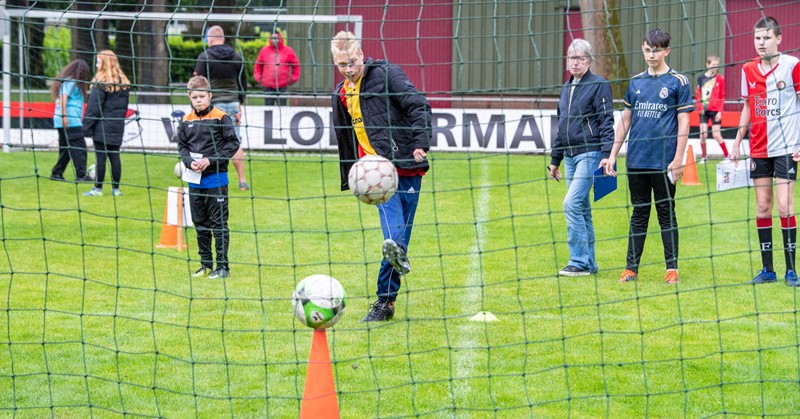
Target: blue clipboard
[{"x": 603, "y": 184}]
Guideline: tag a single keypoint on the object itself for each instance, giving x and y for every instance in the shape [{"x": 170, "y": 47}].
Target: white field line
[{"x": 465, "y": 359}]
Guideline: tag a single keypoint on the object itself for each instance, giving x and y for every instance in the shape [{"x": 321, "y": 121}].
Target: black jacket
[
  {"x": 223, "y": 67},
  {"x": 104, "y": 119},
  {"x": 397, "y": 118},
  {"x": 587, "y": 124},
  {"x": 211, "y": 134}
]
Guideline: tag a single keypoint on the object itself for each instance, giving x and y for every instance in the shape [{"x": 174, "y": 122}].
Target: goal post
[{"x": 102, "y": 315}]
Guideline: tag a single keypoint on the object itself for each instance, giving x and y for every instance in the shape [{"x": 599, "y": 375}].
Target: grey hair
[{"x": 580, "y": 44}]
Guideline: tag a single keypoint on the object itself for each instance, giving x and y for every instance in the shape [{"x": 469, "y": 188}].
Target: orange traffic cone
[
  {"x": 319, "y": 394},
  {"x": 690, "y": 170},
  {"x": 172, "y": 234}
]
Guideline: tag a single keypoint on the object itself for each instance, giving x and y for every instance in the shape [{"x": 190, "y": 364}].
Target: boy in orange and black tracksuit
[{"x": 207, "y": 141}]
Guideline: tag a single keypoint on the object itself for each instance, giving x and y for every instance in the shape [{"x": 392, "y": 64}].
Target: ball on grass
[{"x": 319, "y": 301}]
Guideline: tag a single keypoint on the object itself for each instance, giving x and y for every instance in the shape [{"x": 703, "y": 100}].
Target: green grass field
[{"x": 95, "y": 320}]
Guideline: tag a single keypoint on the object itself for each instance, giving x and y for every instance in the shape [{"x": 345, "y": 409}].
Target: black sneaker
[
  {"x": 380, "y": 311},
  {"x": 396, "y": 256},
  {"x": 56, "y": 177},
  {"x": 84, "y": 179},
  {"x": 573, "y": 271},
  {"x": 220, "y": 273}
]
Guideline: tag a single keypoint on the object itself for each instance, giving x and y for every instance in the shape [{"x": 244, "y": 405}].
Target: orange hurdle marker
[
  {"x": 319, "y": 394},
  {"x": 172, "y": 234},
  {"x": 690, "y": 170}
]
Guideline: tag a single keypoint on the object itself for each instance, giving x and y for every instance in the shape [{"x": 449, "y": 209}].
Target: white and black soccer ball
[
  {"x": 91, "y": 171},
  {"x": 178, "y": 170},
  {"x": 319, "y": 301},
  {"x": 373, "y": 179}
]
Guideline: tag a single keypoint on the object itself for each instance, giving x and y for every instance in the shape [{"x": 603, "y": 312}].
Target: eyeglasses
[{"x": 581, "y": 59}]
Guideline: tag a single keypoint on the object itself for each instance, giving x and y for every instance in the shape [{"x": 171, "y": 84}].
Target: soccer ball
[
  {"x": 373, "y": 179},
  {"x": 178, "y": 170},
  {"x": 319, "y": 301},
  {"x": 92, "y": 172}
]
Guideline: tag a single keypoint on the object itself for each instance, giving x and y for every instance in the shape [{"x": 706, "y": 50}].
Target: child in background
[
  {"x": 69, "y": 91},
  {"x": 207, "y": 141},
  {"x": 710, "y": 100},
  {"x": 104, "y": 120}
]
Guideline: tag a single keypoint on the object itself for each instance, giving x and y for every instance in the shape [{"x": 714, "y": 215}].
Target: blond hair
[
  {"x": 345, "y": 41},
  {"x": 110, "y": 76},
  {"x": 198, "y": 83}
]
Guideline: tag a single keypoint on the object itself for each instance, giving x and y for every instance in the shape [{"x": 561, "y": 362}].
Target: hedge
[
  {"x": 182, "y": 54},
  {"x": 183, "y": 57}
]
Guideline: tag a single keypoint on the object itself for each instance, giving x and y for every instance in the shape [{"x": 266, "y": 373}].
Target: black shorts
[
  {"x": 781, "y": 167},
  {"x": 708, "y": 116}
]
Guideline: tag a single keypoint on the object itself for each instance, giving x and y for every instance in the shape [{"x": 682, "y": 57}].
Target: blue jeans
[
  {"x": 578, "y": 209},
  {"x": 397, "y": 220},
  {"x": 232, "y": 109}
]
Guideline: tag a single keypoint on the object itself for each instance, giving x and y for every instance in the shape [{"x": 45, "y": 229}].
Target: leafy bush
[
  {"x": 181, "y": 53},
  {"x": 57, "y": 44},
  {"x": 183, "y": 57}
]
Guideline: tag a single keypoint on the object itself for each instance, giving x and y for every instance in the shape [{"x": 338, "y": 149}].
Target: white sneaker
[
  {"x": 396, "y": 256},
  {"x": 703, "y": 160},
  {"x": 94, "y": 192}
]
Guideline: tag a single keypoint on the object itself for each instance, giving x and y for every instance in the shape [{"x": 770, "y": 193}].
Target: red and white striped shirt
[{"x": 774, "y": 106}]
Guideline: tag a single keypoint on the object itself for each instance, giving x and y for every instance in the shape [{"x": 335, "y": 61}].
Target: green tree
[{"x": 600, "y": 20}]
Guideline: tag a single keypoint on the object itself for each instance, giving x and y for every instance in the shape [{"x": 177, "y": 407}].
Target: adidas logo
[
  {"x": 637, "y": 91},
  {"x": 791, "y": 171},
  {"x": 411, "y": 189}
]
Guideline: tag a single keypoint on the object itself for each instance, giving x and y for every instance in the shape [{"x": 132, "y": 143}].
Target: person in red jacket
[
  {"x": 276, "y": 68},
  {"x": 710, "y": 103}
]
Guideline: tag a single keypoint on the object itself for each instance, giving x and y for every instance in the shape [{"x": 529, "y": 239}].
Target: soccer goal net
[{"x": 513, "y": 305}]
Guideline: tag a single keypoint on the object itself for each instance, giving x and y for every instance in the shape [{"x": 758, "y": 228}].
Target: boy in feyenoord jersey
[{"x": 770, "y": 88}]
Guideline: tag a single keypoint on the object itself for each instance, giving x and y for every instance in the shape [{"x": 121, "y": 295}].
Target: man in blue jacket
[
  {"x": 585, "y": 136},
  {"x": 377, "y": 110}
]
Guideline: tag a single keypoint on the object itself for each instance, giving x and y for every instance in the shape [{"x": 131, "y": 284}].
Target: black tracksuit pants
[
  {"x": 210, "y": 218},
  {"x": 646, "y": 185},
  {"x": 103, "y": 151},
  {"x": 71, "y": 145}
]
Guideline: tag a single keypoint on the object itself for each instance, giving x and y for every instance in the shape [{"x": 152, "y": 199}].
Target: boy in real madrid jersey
[
  {"x": 657, "y": 106},
  {"x": 770, "y": 89}
]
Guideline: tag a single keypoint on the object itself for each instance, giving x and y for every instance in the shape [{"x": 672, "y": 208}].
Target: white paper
[
  {"x": 189, "y": 175},
  {"x": 730, "y": 176},
  {"x": 173, "y": 218}
]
